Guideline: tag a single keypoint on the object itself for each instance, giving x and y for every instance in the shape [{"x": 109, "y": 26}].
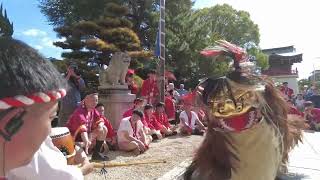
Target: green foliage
[
  {"x": 304, "y": 82},
  {"x": 188, "y": 31},
  {"x": 6, "y": 28},
  {"x": 261, "y": 58}
]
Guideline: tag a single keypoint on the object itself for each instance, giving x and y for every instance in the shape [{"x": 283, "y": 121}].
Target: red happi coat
[
  {"x": 83, "y": 120},
  {"x": 162, "y": 119},
  {"x": 111, "y": 133},
  {"x": 287, "y": 91},
  {"x": 170, "y": 107},
  {"x": 152, "y": 122},
  {"x": 128, "y": 113},
  {"x": 150, "y": 90}
]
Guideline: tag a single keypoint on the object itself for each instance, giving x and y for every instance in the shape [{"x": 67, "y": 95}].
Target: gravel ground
[{"x": 174, "y": 150}]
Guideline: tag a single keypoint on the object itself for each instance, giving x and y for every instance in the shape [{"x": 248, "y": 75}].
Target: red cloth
[
  {"x": 316, "y": 115},
  {"x": 295, "y": 111},
  {"x": 162, "y": 119},
  {"x": 169, "y": 107},
  {"x": 128, "y": 113},
  {"x": 83, "y": 121},
  {"x": 111, "y": 132},
  {"x": 153, "y": 123},
  {"x": 201, "y": 114},
  {"x": 286, "y": 91},
  {"x": 150, "y": 90}
]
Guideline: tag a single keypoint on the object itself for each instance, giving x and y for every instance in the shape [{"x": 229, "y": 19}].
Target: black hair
[
  {"x": 160, "y": 104},
  {"x": 99, "y": 105},
  {"x": 137, "y": 100},
  {"x": 138, "y": 112},
  {"x": 24, "y": 71},
  {"x": 148, "y": 106},
  {"x": 213, "y": 86},
  {"x": 89, "y": 92}
]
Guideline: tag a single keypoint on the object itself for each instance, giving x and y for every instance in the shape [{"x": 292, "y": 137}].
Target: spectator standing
[{"x": 73, "y": 97}]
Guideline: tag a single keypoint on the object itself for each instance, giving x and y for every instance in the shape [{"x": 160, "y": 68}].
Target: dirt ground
[{"x": 173, "y": 150}]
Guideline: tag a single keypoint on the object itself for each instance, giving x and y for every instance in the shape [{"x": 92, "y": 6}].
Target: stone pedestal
[{"x": 116, "y": 100}]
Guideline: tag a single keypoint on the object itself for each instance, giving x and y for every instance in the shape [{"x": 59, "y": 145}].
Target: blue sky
[
  {"x": 31, "y": 26},
  {"x": 281, "y": 23}
]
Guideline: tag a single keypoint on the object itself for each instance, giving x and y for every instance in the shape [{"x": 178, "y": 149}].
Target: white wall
[{"x": 292, "y": 82}]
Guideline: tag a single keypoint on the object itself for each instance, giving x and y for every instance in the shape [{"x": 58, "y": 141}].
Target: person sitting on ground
[
  {"x": 299, "y": 102},
  {"x": 189, "y": 121},
  {"x": 131, "y": 136},
  {"x": 175, "y": 95},
  {"x": 30, "y": 87},
  {"x": 312, "y": 115},
  {"x": 111, "y": 134},
  {"x": 137, "y": 105},
  {"x": 161, "y": 117},
  {"x": 182, "y": 91},
  {"x": 87, "y": 126},
  {"x": 152, "y": 122}
]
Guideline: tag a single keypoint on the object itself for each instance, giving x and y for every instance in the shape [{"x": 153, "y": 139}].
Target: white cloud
[
  {"x": 34, "y": 33},
  {"x": 38, "y": 47},
  {"x": 46, "y": 41}
]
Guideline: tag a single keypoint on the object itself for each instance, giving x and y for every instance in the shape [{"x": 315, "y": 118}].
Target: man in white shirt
[
  {"x": 50, "y": 164},
  {"x": 189, "y": 121},
  {"x": 131, "y": 136}
]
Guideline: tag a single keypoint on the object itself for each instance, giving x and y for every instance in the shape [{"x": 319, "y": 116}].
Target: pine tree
[
  {"x": 97, "y": 39},
  {"x": 6, "y": 28}
]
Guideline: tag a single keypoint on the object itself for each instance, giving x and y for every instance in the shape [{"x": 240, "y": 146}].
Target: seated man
[
  {"x": 151, "y": 122},
  {"x": 131, "y": 136},
  {"x": 111, "y": 134},
  {"x": 312, "y": 115},
  {"x": 30, "y": 88},
  {"x": 137, "y": 105},
  {"x": 189, "y": 121},
  {"x": 161, "y": 117},
  {"x": 87, "y": 126},
  {"x": 49, "y": 163}
]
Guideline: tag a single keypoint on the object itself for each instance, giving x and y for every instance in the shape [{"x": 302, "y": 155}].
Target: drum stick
[{"x": 128, "y": 163}]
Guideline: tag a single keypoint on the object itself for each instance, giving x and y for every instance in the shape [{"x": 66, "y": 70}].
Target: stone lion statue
[{"x": 116, "y": 72}]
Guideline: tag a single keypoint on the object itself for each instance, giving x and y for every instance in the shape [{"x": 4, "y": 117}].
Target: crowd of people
[
  {"x": 29, "y": 105},
  {"x": 31, "y": 88},
  {"x": 146, "y": 121},
  {"x": 304, "y": 104}
]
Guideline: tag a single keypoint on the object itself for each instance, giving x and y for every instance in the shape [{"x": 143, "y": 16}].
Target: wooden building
[{"x": 280, "y": 61}]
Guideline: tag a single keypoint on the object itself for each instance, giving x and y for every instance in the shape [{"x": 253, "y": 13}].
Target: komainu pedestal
[{"x": 116, "y": 101}]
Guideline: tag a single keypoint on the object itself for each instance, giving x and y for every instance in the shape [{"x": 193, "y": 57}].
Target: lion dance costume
[{"x": 249, "y": 135}]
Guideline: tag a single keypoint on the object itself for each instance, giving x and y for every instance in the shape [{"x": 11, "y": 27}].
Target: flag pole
[{"x": 162, "y": 51}]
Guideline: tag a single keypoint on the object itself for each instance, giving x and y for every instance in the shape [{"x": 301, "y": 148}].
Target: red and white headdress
[{"x": 27, "y": 100}]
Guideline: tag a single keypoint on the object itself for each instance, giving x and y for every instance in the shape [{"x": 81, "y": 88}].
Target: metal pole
[{"x": 162, "y": 51}]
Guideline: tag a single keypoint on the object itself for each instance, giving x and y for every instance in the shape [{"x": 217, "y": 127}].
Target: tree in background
[
  {"x": 188, "y": 31},
  {"x": 94, "y": 41},
  {"x": 6, "y": 28},
  {"x": 143, "y": 14}
]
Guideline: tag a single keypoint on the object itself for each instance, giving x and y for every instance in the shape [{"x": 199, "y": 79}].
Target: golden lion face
[{"x": 224, "y": 106}]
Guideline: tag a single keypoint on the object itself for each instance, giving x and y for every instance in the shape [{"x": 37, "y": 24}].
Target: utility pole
[{"x": 162, "y": 51}]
